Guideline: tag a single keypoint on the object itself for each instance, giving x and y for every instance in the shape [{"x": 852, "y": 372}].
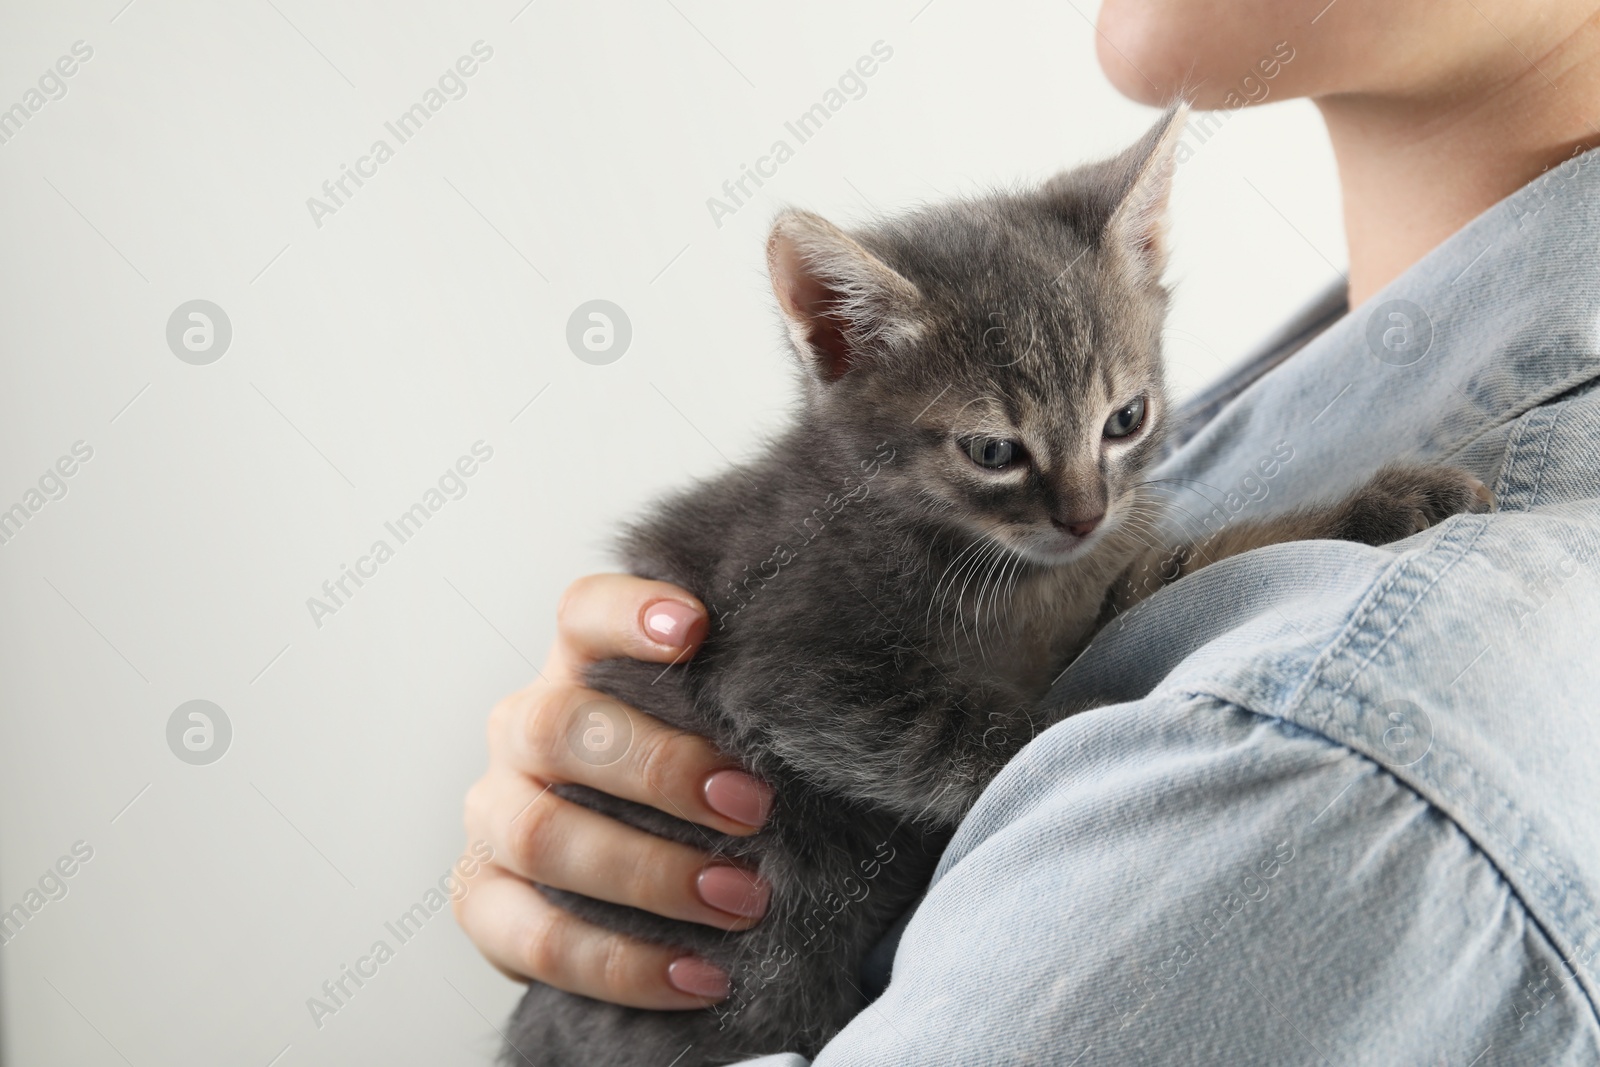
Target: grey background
[{"x": 366, "y": 356}]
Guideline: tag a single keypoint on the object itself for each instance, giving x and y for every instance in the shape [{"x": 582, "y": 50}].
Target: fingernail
[
  {"x": 693, "y": 975},
  {"x": 739, "y": 797},
  {"x": 668, "y": 621},
  {"x": 732, "y": 890}
]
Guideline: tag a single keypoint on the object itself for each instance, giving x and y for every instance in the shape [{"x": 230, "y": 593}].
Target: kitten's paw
[
  {"x": 1407, "y": 498},
  {"x": 1430, "y": 494}
]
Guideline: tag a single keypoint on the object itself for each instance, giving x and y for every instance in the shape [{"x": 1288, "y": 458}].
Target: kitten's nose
[{"x": 1079, "y": 527}]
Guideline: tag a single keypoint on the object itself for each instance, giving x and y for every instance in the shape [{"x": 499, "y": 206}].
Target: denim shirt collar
[{"x": 1497, "y": 320}]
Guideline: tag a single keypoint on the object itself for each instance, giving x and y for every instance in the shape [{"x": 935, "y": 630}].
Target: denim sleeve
[{"x": 1180, "y": 880}]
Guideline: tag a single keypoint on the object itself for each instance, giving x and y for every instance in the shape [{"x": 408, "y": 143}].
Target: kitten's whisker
[
  {"x": 1151, "y": 539},
  {"x": 978, "y": 565},
  {"x": 1152, "y": 519},
  {"x": 1136, "y": 519},
  {"x": 964, "y": 575},
  {"x": 1162, "y": 483},
  {"x": 965, "y": 559},
  {"x": 983, "y": 559},
  {"x": 1143, "y": 501},
  {"x": 992, "y": 593},
  {"x": 935, "y": 598},
  {"x": 943, "y": 589},
  {"x": 1186, "y": 483},
  {"x": 1139, "y": 527},
  {"x": 997, "y": 560},
  {"x": 1198, "y": 521},
  {"x": 1002, "y": 586},
  {"x": 1002, "y": 568},
  {"x": 1008, "y": 580},
  {"x": 1026, "y": 569},
  {"x": 1016, "y": 580}
]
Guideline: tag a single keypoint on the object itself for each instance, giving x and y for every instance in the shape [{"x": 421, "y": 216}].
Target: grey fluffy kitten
[{"x": 895, "y": 581}]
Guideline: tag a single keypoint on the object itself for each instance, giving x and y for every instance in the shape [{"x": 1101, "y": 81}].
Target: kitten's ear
[
  {"x": 839, "y": 301},
  {"x": 1129, "y": 195}
]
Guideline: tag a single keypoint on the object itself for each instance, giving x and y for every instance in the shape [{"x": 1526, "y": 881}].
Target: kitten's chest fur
[
  {"x": 824, "y": 599},
  {"x": 978, "y": 611}
]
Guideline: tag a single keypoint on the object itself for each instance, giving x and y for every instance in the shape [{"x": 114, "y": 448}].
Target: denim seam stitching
[
  {"x": 1355, "y": 626},
  {"x": 1572, "y": 907},
  {"x": 1544, "y": 453},
  {"x": 1447, "y": 540},
  {"x": 1502, "y": 485}
]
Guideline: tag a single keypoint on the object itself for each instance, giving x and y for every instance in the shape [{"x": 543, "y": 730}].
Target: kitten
[{"x": 896, "y": 580}]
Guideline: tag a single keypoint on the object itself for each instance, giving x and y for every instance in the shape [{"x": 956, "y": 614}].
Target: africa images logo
[{"x": 199, "y": 332}]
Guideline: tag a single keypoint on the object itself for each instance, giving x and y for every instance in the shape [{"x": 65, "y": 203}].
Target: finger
[
  {"x": 565, "y": 845},
  {"x": 616, "y": 616},
  {"x": 572, "y": 734},
  {"x": 526, "y": 936}
]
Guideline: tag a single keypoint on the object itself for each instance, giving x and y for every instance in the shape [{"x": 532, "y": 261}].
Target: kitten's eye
[
  {"x": 1127, "y": 420},
  {"x": 992, "y": 453}
]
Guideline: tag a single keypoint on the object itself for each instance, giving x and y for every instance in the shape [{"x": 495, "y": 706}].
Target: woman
[{"x": 1345, "y": 807}]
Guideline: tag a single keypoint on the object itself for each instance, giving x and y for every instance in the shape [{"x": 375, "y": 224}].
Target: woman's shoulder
[{"x": 1185, "y": 872}]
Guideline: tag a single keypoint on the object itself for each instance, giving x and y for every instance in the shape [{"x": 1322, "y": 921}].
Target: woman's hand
[{"x": 539, "y": 837}]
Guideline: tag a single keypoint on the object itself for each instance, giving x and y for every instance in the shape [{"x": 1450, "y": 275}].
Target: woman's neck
[{"x": 1417, "y": 167}]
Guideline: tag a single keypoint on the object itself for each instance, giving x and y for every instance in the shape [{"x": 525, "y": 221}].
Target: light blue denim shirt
[{"x": 1345, "y": 807}]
